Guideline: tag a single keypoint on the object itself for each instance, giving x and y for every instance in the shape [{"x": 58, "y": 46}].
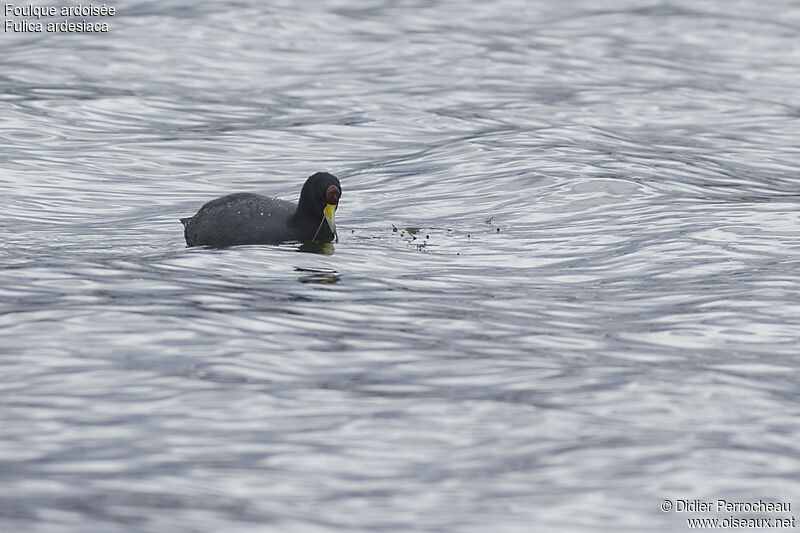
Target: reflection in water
[
  {"x": 322, "y": 248},
  {"x": 318, "y": 276}
]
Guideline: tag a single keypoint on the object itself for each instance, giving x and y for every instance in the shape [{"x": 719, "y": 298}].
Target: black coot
[{"x": 246, "y": 218}]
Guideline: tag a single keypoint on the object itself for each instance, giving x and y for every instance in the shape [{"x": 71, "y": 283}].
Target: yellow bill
[{"x": 330, "y": 211}]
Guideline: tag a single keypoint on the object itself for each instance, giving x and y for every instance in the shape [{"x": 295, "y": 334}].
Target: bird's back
[{"x": 240, "y": 218}]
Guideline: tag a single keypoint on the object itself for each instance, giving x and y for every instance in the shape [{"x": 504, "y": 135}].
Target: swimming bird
[{"x": 247, "y": 218}]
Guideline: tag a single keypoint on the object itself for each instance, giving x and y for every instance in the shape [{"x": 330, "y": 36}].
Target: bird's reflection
[
  {"x": 323, "y": 248},
  {"x": 315, "y": 275}
]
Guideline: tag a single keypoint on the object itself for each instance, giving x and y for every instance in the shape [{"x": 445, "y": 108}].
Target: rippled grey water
[{"x": 590, "y": 303}]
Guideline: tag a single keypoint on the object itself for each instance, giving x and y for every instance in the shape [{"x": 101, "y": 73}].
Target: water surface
[{"x": 589, "y": 305}]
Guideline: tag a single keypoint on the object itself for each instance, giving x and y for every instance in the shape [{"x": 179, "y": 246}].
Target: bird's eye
[{"x": 332, "y": 195}]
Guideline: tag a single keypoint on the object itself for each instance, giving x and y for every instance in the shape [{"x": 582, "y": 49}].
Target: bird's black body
[{"x": 246, "y": 218}]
